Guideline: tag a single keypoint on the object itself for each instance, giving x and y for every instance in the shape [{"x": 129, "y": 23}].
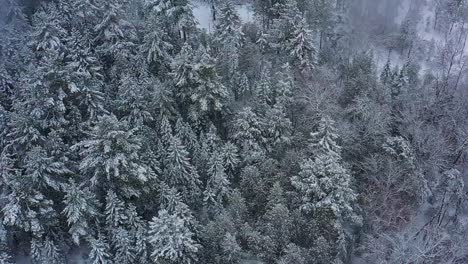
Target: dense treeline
[{"x": 130, "y": 135}]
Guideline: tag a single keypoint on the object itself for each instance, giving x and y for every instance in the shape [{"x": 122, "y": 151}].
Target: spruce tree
[
  {"x": 111, "y": 158},
  {"x": 80, "y": 209},
  {"x": 218, "y": 186},
  {"x": 178, "y": 170},
  {"x": 325, "y": 188},
  {"x": 209, "y": 94},
  {"x": 301, "y": 48},
  {"x": 247, "y": 133},
  {"x": 156, "y": 45},
  {"x": 172, "y": 232},
  {"x": 228, "y": 39},
  {"x": 99, "y": 253}
]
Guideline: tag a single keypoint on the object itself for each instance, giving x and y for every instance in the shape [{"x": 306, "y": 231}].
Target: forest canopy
[{"x": 278, "y": 132}]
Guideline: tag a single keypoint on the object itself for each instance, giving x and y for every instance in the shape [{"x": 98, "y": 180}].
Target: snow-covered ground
[
  {"x": 425, "y": 32},
  {"x": 202, "y": 13}
]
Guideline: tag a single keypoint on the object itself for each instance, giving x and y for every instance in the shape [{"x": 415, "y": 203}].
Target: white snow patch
[
  {"x": 246, "y": 13},
  {"x": 202, "y": 13}
]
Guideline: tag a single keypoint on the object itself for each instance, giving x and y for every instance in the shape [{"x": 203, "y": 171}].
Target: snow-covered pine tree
[
  {"x": 399, "y": 82},
  {"x": 278, "y": 127},
  {"x": 276, "y": 222},
  {"x": 114, "y": 211},
  {"x": 48, "y": 33},
  {"x": 100, "y": 252},
  {"x": 124, "y": 251},
  {"x": 209, "y": 94},
  {"x": 284, "y": 85},
  {"x": 184, "y": 75},
  {"x": 156, "y": 42},
  {"x": 80, "y": 207},
  {"x": 111, "y": 158},
  {"x": 186, "y": 134},
  {"x": 172, "y": 232},
  {"x": 115, "y": 37},
  {"x": 45, "y": 250},
  {"x": 125, "y": 230},
  {"x": 229, "y": 24},
  {"x": 231, "y": 159},
  {"x": 247, "y": 133},
  {"x": 135, "y": 101},
  {"x": 179, "y": 21},
  {"x": 242, "y": 87},
  {"x": 397, "y": 89},
  {"x": 386, "y": 74},
  {"x": 271, "y": 10},
  {"x": 84, "y": 75},
  {"x": 155, "y": 45},
  {"x": 280, "y": 33},
  {"x": 228, "y": 39},
  {"x": 324, "y": 185},
  {"x": 301, "y": 47},
  {"x": 37, "y": 173},
  {"x": 324, "y": 139},
  {"x": 178, "y": 171},
  {"x": 263, "y": 87},
  {"x": 218, "y": 186}
]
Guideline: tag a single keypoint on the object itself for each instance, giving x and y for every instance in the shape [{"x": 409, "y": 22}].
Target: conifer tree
[
  {"x": 284, "y": 85},
  {"x": 115, "y": 36},
  {"x": 301, "y": 48},
  {"x": 99, "y": 253},
  {"x": 263, "y": 88},
  {"x": 247, "y": 133},
  {"x": 230, "y": 156},
  {"x": 386, "y": 75},
  {"x": 324, "y": 140},
  {"x": 172, "y": 232},
  {"x": 135, "y": 100},
  {"x": 209, "y": 94},
  {"x": 228, "y": 39},
  {"x": 111, "y": 157},
  {"x": 156, "y": 43},
  {"x": 188, "y": 137},
  {"x": 183, "y": 73},
  {"x": 48, "y": 33},
  {"x": 45, "y": 251},
  {"x": 80, "y": 209},
  {"x": 276, "y": 220},
  {"x": 324, "y": 185},
  {"x": 218, "y": 186},
  {"x": 242, "y": 87},
  {"x": 178, "y": 171},
  {"x": 179, "y": 21},
  {"x": 278, "y": 129}
]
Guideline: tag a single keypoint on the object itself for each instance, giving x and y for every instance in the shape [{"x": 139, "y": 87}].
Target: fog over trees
[{"x": 223, "y": 131}]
